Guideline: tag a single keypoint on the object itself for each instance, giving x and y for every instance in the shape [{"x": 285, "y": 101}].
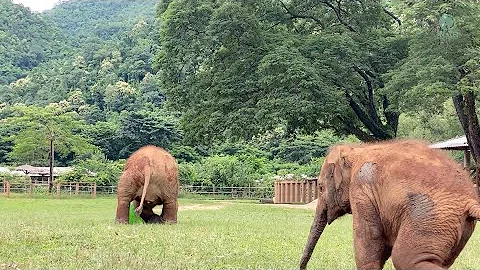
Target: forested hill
[
  {"x": 103, "y": 19},
  {"x": 104, "y": 83},
  {"x": 26, "y": 41},
  {"x": 97, "y": 44}
]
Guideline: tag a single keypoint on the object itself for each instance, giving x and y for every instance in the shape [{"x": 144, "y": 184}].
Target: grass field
[{"x": 80, "y": 233}]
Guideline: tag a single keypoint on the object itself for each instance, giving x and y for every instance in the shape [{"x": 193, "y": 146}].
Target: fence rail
[{"x": 84, "y": 188}]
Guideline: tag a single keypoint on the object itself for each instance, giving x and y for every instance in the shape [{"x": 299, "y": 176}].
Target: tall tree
[
  {"x": 443, "y": 61},
  {"x": 239, "y": 68},
  {"x": 40, "y": 132}
]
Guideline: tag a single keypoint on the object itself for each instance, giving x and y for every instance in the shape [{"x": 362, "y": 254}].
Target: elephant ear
[
  {"x": 330, "y": 177},
  {"x": 339, "y": 167}
]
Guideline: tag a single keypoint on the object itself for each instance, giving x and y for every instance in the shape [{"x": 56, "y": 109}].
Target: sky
[{"x": 37, "y": 5}]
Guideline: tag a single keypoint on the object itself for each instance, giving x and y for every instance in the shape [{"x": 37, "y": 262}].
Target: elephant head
[{"x": 333, "y": 200}]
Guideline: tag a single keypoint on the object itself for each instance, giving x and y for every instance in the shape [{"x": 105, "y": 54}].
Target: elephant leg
[
  {"x": 169, "y": 211},
  {"x": 371, "y": 249},
  {"x": 123, "y": 206},
  {"x": 149, "y": 216}
]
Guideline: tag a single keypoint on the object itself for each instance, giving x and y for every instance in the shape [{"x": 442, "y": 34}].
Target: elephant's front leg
[
  {"x": 169, "y": 211},
  {"x": 371, "y": 249}
]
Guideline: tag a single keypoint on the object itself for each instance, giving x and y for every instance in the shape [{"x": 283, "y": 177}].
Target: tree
[
  {"x": 443, "y": 61},
  {"x": 143, "y": 127},
  {"x": 119, "y": 96},
  {"x": 242, "y": 68},
  {"x": 42, "y": 132}
]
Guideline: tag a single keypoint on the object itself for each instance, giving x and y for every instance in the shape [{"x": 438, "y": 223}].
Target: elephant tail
[
  {"x": 147, "y": 172},
  {"x": 474, "y": 210}
]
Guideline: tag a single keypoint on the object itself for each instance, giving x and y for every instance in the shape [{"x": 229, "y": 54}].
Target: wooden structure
[
  {"x": 41, "y": 174},
  {"x": 459, "y": 144},
  {"x": 296, "y": 191}
]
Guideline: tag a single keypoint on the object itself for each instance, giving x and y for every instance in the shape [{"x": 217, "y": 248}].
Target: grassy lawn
[{"x": 80, "y": 233}]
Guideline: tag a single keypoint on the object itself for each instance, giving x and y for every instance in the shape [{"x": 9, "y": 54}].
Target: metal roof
[
  {"x": 459, "y": 143},
  {"x": 42, "y": 171}
]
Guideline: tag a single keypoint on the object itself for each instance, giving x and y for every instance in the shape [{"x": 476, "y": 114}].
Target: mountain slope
[
  {"x": 104, "y": 19},
  {"x": 26, "y": 40}
]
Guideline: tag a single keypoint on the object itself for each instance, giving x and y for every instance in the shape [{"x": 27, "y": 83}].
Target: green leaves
[
  {"x": 35, "y": 127},
  {"x": 438, "y": 65},
  {"x": 238, "y": 69}
]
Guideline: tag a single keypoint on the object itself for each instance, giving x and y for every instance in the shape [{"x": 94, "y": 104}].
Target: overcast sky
[{"x": 37, "y": 5}]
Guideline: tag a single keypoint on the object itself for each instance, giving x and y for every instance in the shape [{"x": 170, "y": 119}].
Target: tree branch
[
  {"x": 338, "y": 14},
  {"x": 389, "y": 13},
  {"x": 299, "y": 16},
  {"x": 349, "y": 128},
  {"x": 369, "y": 124},
  {"x": 372, "y": 111}
]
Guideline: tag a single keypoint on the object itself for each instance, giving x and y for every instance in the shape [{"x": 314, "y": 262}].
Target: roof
[
  {"x": 459, "y": 143},
  {"x": 42, "y": 171}
]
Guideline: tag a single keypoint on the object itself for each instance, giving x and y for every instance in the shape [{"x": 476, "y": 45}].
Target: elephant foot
[{"x": 121, "y": 221}]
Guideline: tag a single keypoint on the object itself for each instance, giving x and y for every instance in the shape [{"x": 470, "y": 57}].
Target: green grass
[{"x": 81, "y": 233}]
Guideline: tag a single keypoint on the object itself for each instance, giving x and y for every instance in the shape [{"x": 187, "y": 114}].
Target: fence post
[
  {"x": 7, "y": 188},
  {"x": 77, "y": 188},
  {"x": 58, "y": 190},
  {"x": 30, "y": 189},
  {"x": 94, "y": 190}
]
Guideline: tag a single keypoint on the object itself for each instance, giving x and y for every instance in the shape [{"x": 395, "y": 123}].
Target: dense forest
[{"x": 238, "y": 91}]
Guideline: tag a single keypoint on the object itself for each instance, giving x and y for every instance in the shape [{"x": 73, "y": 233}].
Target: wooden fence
[
  {"x": 79, "y": 188},
  {"x": 74, "y": 188},
  {"x": 296, "y": 191}
]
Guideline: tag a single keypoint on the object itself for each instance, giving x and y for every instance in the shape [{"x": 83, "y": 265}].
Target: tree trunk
[{"x": 465, "y": 108}]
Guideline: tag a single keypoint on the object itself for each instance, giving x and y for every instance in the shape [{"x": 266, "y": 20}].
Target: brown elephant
[
  {"x": 150, "y": 178},
  {"x": 408, "y": 202}
]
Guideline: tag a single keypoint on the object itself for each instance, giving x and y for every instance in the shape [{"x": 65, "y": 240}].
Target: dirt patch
[
  {"x": 311, "y": 206},
  {"x": 201, "y": 207},
  {"x": 158, "y": 209}
]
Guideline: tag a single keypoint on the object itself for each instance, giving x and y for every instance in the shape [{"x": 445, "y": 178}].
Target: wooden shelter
[
  {"x": 41, "y": 174},
  {"x": 460, "y": 144}
]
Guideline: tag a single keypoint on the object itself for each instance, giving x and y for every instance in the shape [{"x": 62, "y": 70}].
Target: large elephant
[
  {"x": 150, "y": 178},
  {"x": 408, "y": 202}
]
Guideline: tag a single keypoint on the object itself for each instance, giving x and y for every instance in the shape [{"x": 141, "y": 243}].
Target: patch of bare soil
[
  {"x": 311, "y": 206},
  {"x": 158, "y": 209},
  {"x": 201, "y": 207}
]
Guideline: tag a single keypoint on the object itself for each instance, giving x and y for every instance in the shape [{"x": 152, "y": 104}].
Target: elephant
[
  {"x": 150, "y": 178},
  {"x": 408, "y": 201}
]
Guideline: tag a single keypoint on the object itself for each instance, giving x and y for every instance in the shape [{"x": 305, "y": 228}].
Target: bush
[
  {"x": 102, "y": 171},
  {"x": 243, "y": 170}
]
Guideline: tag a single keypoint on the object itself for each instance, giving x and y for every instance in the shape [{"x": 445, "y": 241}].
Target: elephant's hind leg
[
  {"x": 169, "y": 211},
  {"x": 418, "y": 250},
  {"x": 123, "y": 205}
]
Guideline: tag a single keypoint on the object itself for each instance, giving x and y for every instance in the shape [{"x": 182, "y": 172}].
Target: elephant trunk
[{"x": 316, "y": 230}]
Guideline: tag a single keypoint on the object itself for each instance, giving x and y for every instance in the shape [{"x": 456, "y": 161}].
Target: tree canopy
[{"x": 242, "y": 68}]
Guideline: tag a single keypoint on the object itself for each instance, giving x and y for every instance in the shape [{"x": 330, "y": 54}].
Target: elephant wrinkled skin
[
  {"x": 408, "y": 201},
  {"x": 150, "y": 178}
]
